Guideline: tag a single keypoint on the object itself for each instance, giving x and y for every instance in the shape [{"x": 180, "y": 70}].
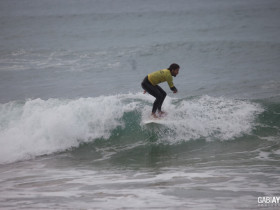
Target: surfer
[{"x": 150, "y": 85}]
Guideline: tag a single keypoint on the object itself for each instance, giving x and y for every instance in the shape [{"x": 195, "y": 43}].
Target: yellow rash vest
[{"x": 160, "y": 76}]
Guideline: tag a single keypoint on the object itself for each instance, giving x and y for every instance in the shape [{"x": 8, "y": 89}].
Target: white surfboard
[
  {"x": 158, "y": 120},
  {"x": 155, "y": 121}
]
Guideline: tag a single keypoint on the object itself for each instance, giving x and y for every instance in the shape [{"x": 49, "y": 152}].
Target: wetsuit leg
[
  {"x": 162, "y": 97},
  {"x": 155, "y": 91}
]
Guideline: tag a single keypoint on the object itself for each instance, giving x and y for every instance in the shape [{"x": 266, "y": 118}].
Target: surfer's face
[{"x": 175, "y": 72}]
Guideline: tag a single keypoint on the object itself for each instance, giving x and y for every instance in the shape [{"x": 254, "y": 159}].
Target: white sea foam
[
  {"x": 209, "y": 117},
  {"x": 42, "y": 127},
  {"x": 38, "y": 127}
]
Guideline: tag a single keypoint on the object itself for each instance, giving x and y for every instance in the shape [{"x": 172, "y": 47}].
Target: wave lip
[{"x": 39, "y": 127}]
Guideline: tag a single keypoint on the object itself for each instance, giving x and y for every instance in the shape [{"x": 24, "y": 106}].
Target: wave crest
[{"x": 39, "y": 127}]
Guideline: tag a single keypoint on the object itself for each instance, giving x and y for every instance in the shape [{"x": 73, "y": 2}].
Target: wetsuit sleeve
[
  {"x": 169, "y": 80},
  {"x": 170, "y": 83}
]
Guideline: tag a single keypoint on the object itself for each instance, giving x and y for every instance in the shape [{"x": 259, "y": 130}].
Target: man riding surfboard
[{"x": 150, "y": 85}]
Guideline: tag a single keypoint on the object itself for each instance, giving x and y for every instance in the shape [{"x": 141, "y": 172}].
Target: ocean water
[{"x": 72, "y": 108}]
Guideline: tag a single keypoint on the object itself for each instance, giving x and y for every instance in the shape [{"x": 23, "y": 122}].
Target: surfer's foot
[
  {"x": 154, "y": 115},
  {"x": 161, "y": 113}
]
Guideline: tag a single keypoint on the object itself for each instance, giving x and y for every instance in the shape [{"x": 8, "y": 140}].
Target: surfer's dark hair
[{"x": 173, "y": 66}]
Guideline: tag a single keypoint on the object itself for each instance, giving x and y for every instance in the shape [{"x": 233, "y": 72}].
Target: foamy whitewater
[
  {"x": 39, "y": 127},
  {"x": 72, "y": 110}
]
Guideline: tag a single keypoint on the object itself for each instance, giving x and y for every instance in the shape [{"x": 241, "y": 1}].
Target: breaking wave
[{"x": 38, "y": 127}]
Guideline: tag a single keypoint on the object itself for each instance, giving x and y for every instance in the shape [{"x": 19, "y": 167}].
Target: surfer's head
[{"x": 174, "y": 69}]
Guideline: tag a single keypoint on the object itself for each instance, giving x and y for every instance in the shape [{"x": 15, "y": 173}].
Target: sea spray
[
  {"x": 210, "y": 118},
  {"x": 38, "y": 127}
]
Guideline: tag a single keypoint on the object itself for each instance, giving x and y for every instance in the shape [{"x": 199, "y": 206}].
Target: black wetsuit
[{"x": 155, "y": 91}]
